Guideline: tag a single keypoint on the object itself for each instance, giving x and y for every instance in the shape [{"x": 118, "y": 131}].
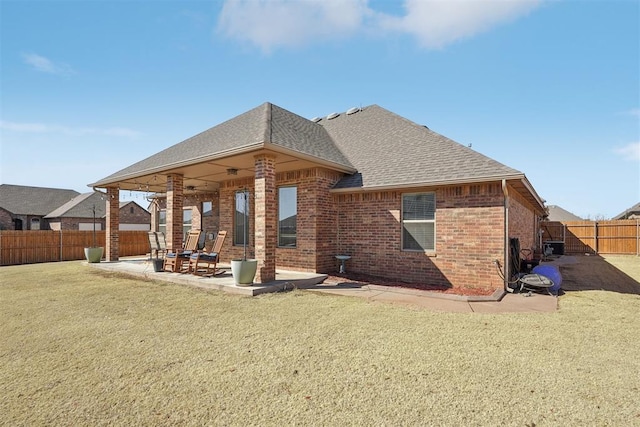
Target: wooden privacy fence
[
  {"x": 29, "y": 246},
  {"x": 601, "y": 237}
]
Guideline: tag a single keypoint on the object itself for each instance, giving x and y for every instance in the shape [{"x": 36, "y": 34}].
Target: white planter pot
[
  {"x": 93, "y": 254},
  {"x": 244, "y": 271}
]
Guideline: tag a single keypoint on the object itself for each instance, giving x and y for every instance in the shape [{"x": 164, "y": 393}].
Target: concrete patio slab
[
  {"x": 285, "y": 280},
  {"x": 499, "y": 302}
]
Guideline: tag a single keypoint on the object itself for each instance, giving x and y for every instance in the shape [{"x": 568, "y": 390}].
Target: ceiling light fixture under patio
[{"x": 232, "y": 171}]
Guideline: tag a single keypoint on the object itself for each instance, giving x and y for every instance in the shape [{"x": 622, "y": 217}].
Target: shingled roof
[
  {"x": 81, "y": 206},
  {"x": 374, "y": 147},
  {"x": 266, "y": 123},
  {"x": 632, "y": 211},
  {"x": 388, "y": 150},
  {"x": 556, "y": 213},
  {"x": 25, "y": 200}
]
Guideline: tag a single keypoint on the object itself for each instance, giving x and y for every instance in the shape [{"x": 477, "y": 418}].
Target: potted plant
[
  {"x": 244, "y": 270},
  {"x": 94, "y": 253}
]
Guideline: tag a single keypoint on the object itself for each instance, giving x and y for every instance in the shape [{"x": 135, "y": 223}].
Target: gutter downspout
[
  {"x": 506, "y": 235},
  {"x": 99, "y": 191}
]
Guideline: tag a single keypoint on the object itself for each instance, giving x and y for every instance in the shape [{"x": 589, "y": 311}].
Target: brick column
[
  {"x": 112, "y": 224},
  {"x": 174, "y": 211},
  {"x": 196, "y": 215},
  {"x": 266, "y": 218}
]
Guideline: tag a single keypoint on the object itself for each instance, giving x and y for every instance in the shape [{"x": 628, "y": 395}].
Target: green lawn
[{"x": 83, "y": 347}]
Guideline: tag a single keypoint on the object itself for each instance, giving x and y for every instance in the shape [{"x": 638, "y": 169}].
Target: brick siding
[
  {"x": 316, "y": 228},
  {"x": 139, "y": 215},
  {"x": 265, "y": 217},
  {"x": 367, "y": 226},
  {"x": 175, "y": 202},
  {"x": 523, "y": 222},
  {"x": 6, "y": 220},
  {"x": 469, "y": 236},
  {"x": 112, "y": 248}
]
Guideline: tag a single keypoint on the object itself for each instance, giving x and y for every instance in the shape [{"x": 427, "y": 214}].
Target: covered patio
[{"x": 240, "y": 155}]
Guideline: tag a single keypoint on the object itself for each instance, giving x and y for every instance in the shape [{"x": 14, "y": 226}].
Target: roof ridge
[
  {"x": 268, "y": 132},
  {"x": 66, "y": 207}
]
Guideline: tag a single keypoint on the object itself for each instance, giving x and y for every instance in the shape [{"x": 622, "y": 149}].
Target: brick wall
[
  {"x": 6, "y": 220},
  {"x": 469, "y": 236},
  {"x": 367, "y": 226},
  {"x": 227, "y": 208},
  {"x": 316, "y": 221},
  {"x": 175, "y": 200},
  {"x": 112, "y": 226},
  {"x": 139, "y": 215},
  {"x": 523, "y": 222},
  {"x": 266, "y": 219}
]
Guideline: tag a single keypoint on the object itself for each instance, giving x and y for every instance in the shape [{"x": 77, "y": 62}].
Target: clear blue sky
[{"x": 549, "y": 88}]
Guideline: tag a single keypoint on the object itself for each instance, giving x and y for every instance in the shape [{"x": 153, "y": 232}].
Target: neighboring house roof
[
  {"x": 25, "y": 200},
  {"x": 556, "y": 213},
  {"x": 123, "y": 204},
  {"x": 81, "y": 206},
  {"x": 633, "y": 210}
]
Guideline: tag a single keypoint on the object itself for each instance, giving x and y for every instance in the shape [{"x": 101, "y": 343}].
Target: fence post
[
  {"x": 637, "y": 237},
  {"x": 595, "y": 236}
]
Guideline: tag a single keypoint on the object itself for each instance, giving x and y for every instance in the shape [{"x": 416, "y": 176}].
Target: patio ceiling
[{"x": 206, "y": 176}]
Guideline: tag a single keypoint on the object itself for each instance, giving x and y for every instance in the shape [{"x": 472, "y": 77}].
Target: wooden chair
[
  {"x": 179, "y": 261},
  {"x": 204, "y": 263}
]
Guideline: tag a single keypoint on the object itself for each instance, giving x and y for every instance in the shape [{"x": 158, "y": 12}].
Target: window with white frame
[
  {"x": 186, "y": 221},
  {"x": 187, "y": 215},
  {"x": 287, "y": 216},
  {"x": 162, "y": 220},
  {"x": 241, "y": 219},
  {"x": 419, "y": 222}
]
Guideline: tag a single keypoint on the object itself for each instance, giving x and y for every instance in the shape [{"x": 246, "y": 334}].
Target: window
[
  {"x": 186, "y": 222},
  {"x": 241, "y": 218},
  {"x": 130, "y": 209},
  {"x": 207, "y": 209},
  {"x": 162, "y": 221},
  {"x": 35, "y": 223},
  {"x": 419, "y": 222},
  {"x": 287, "y": 216}
]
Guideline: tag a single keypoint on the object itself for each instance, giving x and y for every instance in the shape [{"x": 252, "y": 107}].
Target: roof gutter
[
  {"x": 531, "y": 190},
  {"x": 425, "y": 184}
]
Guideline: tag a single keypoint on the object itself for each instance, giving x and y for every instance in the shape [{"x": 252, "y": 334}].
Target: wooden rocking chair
[
  {"x": 179, "y": 261},
  {"x": 204, "y": 263}
]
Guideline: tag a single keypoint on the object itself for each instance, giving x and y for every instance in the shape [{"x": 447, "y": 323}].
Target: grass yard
[{"x": 83, "y": 347}]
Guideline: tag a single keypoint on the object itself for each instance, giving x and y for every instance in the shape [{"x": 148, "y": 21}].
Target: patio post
[
  {"x": 112, "y": 240},
  {"x": 266, "y": 217},
  {"x": 174, "y": 211}
]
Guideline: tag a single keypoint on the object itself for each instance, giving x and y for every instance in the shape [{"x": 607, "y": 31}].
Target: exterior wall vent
[{"x": 332, "y": 116}]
